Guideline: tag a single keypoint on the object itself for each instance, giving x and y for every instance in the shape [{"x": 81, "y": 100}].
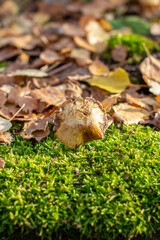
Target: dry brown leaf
[
  {"x": 2, "y": 163},
  {"x": 36, "y": 128},
  {"x": 50, "y": 95},
  {"x": 80, "y": 121},
  {"x": 50, "y": 57},
  {"x": 129, "y": 114},
  {"x": 5, "y": 137},
  {"x": 150, "y": 68},
  {"x": 98, "y": 68},
  {"x": 7, "y": 53},
  {"x": 27, "y": 42},
  {"x": 109, "y": 101},
  {"x": 137, "y": 102},
  {"x": 20, "y": 96},
  {"x": 119, "y": 53}
]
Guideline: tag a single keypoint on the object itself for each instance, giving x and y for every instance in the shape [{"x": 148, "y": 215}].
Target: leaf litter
[{"x": 56, "y": 73}]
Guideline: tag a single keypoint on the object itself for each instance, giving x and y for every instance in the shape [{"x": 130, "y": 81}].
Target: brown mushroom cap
[{"x": 80, "y": 120}]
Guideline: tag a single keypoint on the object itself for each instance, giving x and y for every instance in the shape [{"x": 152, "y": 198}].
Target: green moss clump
[
  {"x": 133, "y": 43},
  {"x": 103, "y": 190}
]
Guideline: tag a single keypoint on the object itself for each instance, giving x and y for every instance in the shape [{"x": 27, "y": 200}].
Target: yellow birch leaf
[{"x": 115, "y": 82}]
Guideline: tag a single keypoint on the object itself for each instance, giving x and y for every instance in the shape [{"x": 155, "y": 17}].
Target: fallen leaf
[
  {"x": 150, "y": 68},
  {"x": 98, "y": 68},
  {"x": 36, "y": 128},
  {"x": 129, "y": 114},
  {"x": 115, "y": 82},
  {"x": 20, "y": 96},
  {"x": 5, "y": 137},
  {"x": 50, "y": 95},
  {"x": 82, "y": 56},
  {"x": 83, "y": 44},
  {"x": 80, "y": 120},
  {"x": 50, "y": 57},
  {"x": 27, "y": 41},
  {"x": 4, "y": 125},
  {"x": 2, "y": 163},
  {"x": 137, "y": 102},
  {"x": 119, "y": 53},
  {"x": 97, "y": 36},
  {"x": 29, "y": 73},
  {"x": 3, "y": 97},
  {"x": 7, "y": 53},
  {"x": 109, "y": 101}
]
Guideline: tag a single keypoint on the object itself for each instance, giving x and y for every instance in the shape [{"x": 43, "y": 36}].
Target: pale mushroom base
[{"x": 79, "y": 121}]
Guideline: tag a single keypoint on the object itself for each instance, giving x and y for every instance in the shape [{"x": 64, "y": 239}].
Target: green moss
[
  {"x": 101, "y": 190},
  {"x": 133, "y": 43}
]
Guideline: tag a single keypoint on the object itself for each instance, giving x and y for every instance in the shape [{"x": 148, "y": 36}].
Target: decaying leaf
[
  {"x": 109, "y": 101},
  {"x": 2, "y": 163},
  {"x": 4, "y": 125},
  {"x": 150, "y": 68},
  {"x": 137, "y": 102},
  {"x": 115, "y": 82},
  {"x": 129, "y": 114},
  {"x": 20, "y": 96},
  {"x": 5, "y": 137},
  {"x": 98, "y": 68},
  {"x": 80, "y": 120},
  {"x": 50, "y": 95},
  {"x": 36, "y": 128}
]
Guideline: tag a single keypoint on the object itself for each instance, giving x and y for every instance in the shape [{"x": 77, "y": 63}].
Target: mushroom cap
[{"x": 80, "y": 120}]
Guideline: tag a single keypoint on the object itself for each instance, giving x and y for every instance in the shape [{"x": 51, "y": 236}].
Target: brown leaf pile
[{"x": 54, "y": 63}]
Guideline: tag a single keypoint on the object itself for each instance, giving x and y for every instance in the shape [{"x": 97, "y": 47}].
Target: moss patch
[
  {"x": 133, "y": 43},
  {"x": 103, "y": 189}
]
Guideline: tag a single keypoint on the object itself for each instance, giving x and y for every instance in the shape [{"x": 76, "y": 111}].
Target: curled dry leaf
[
  {"x": 129, "y": 114},
  {"x": 5, "y": 137},
  {"x": 36, "y": 128},
  {"x": 2, "y": 163},
  {"x": 79, "y": 121},
  {"x": 98, "y": 68},
  {"x": 4, "y": 125},
  {"x": 150, "y": 68}
]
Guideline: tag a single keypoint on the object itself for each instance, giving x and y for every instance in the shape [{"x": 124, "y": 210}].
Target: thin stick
[
  {"x": 146, "y": 49},
  {"x": 17, "y": 112}
]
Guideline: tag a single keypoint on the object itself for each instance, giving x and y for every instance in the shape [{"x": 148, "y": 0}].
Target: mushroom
[{"x": 80, "y": 120}]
